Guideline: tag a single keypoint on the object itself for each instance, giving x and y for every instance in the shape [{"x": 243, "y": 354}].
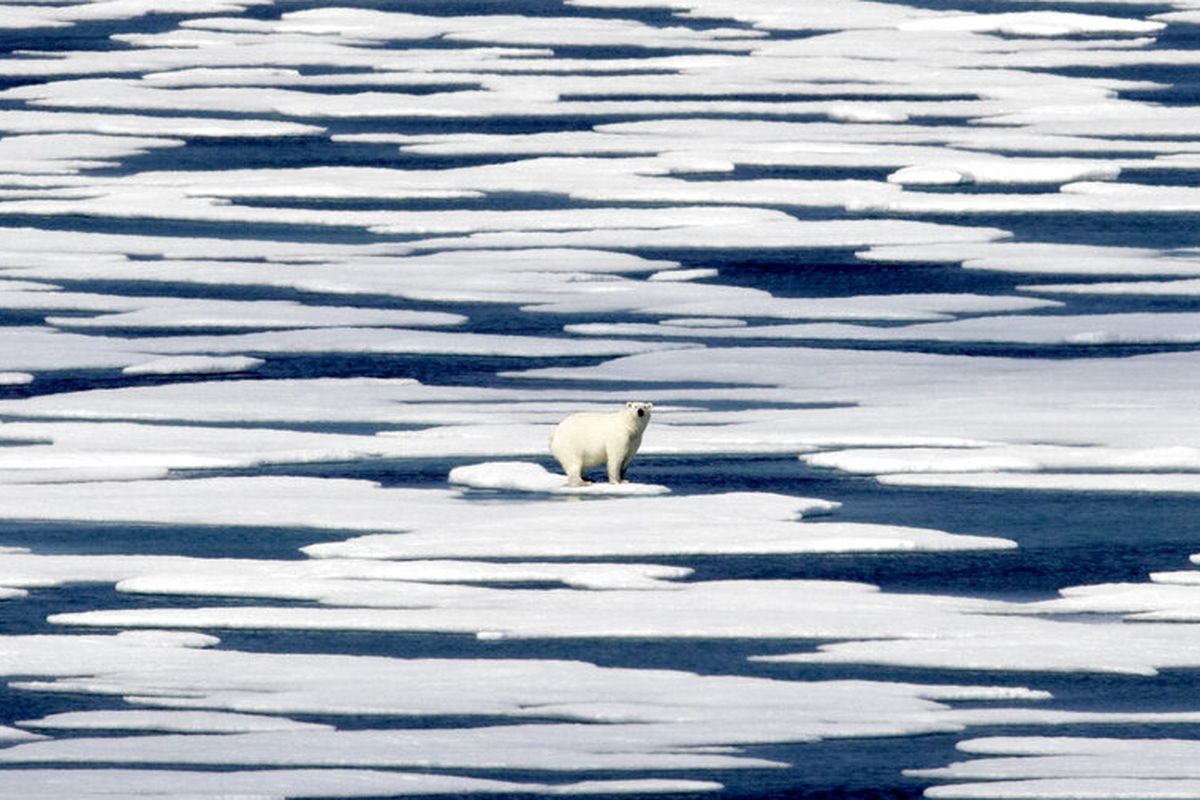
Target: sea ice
[
  {"x": 523, "y": 476},
  {"x": 194, "y": 365},
  {"x": 165, "y": 784},
  {"x": 1071, "y": 767}
]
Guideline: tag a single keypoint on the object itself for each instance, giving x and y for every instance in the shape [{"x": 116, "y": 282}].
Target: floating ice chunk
[
  {"x": 524, "y": 476},
  {"x": 978, "y": 641},
  {"x": 70, "y": 153},
  {"x": 1004, "y": 171},
  {"x": 683, "y": 275},
  {"x": 1006, "y": 458},
  {"x": 9, "y": 735},
  {"x": 864, "y": 112},
  {"x": 698, "y": 610},
  {"x": 704, "y": 322},
  {"x": 1045, "y": 258},
  {"x": 783, "y": 233},
  {"x": 397, "y": 340},
  {"x": 720, "y": 301},
  {"x": 15, "y": 378},
  {"x": 165, "y": 784},
  {"x": 35, "y": 349},
  {"x": 335, "y": 582},
  {"x": 1177, "y": 288},
  {"x": 514, "y": 747},
  {"x": 109, "y": 472},
  {"x": 1162, "y": 600},
  {"x": 1054, "y": 482},
  {"x": 21, "y": 121},
  {"x": 188, "y": 313},
  {"x": 1093, "y": 330},
  {"x": 1034, "y": 23},
  {"x": 312, "y": 502},
  {"x": 194, "y": 365},
  {"x": 1062, "y": 767},
  {"x": 764, "y": 524},
  {"x": 173, "y": 721},
  {"x": 874, "y": 462},
  {"x": 927, "y": 176}
]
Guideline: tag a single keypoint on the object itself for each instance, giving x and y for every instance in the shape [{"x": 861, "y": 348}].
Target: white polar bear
[{"x": 590, "y": 438}]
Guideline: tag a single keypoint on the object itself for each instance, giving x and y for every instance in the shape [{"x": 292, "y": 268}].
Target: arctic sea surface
[{"x": 292, "y": 294}]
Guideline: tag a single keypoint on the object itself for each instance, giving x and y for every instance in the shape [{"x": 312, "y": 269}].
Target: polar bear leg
[
  {"x": 625, "y": 469},
  {"x": 574, "y": 472},
  {"x": 616, "y": 468}
]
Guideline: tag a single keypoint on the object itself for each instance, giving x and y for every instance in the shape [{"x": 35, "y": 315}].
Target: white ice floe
[
  {"x": 1169, "y": 288},
  {"x": 1035, "y": 23},
  {"x": 1004, "y": 458},
  {"x": 975, "y": 640},
  {"x": 674, "y": 275},
  {"x": 194, "y": 365},
  {"x": 397, "y": 341},
  {"x": 523, "y": 476},
  {"x": 15, "y": 379},
  {"x": 545, "y": 528},
  {"x": 1065, "y": 259},
  {"x": 10, "y": 735},
  {"x": 170, "y": 721},
  {"x": 1070, "y": 767},
  {"x": 703, "y": 300},
  {"x": 1002, "y": 171},
  {"x": 652, "y": 719},
  {"x": 885, "y": 401},
  {"x": 70, "y": 153},
  {"x": 1157, "y": 482},
  {"x": 1060, "y": 329},
  {"x": 698, "y": 610},
  {"x": 166, "y": 784},
  {"x": 31, "y": 350},
  {"x": 335, "y": 581},
  {"x": 179, "y": 313},
  {"x": 31, "y": 122},
  {"x": 94, "y": 450},
  {"x": 49, "y": 15}
]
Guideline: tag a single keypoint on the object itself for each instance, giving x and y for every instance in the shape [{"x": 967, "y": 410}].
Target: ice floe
[
  {"x": 194, "y": 365},
  {"x": 1062, "y": 767},
  {"x": 85, "y": 784},
  {"x": 523, "y": 476}
]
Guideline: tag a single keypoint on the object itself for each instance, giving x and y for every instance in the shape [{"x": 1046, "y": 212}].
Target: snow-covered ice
[{"x": 523, "y": 476}]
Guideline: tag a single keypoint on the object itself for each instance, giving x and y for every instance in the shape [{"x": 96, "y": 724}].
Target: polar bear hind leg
[{"x": 574, "y": 470}]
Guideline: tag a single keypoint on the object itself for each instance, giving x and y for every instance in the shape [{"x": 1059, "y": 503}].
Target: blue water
[{"x": 1064, "y": 539}]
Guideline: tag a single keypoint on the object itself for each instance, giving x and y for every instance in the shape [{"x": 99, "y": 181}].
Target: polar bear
[{"x": 590, "y": 438}]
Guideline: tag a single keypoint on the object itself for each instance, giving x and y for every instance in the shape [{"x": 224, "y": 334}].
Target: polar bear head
[{"x": 639, "y": 411}]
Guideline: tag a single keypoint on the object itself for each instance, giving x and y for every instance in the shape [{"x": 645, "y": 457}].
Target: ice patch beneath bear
[{"x": 525, "y": 476}]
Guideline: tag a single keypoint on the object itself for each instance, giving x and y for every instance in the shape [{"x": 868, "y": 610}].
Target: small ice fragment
[{"x": 194, "y": 365}]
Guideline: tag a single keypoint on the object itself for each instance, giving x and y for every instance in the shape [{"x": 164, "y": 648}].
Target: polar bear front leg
[{"x": 616, "y": 468}]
